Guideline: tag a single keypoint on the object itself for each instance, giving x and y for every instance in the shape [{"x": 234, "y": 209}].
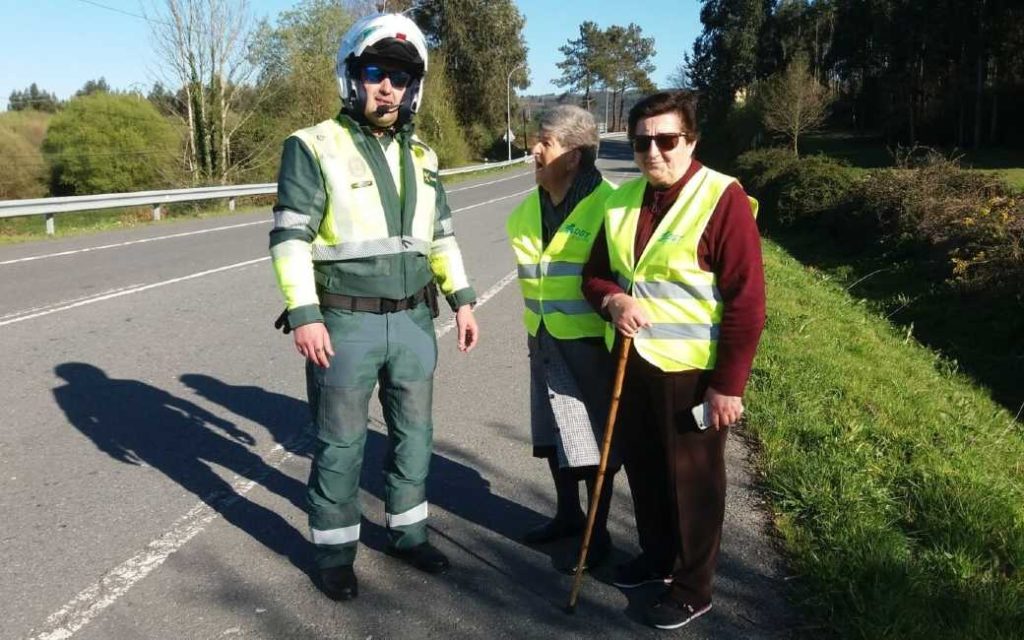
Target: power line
[{"x": 123, "y": 12}]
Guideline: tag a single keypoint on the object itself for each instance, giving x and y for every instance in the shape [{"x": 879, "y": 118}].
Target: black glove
[{"x": 282, "y": 323}]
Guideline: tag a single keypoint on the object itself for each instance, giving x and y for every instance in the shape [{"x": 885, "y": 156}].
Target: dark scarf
[{"x": 553, "y": 215}]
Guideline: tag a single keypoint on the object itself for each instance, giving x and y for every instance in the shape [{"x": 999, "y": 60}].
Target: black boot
[
  {"x": 339, "y": 583},
  {"x": 425, "y": 557},
  {"x": 569, "y": 520}
]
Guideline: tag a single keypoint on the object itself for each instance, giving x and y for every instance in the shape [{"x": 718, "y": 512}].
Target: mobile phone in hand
[{"x": 702, "y": 415}]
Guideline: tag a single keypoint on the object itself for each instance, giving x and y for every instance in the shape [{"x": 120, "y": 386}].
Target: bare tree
[
  {"x": 678, "y": 79},
  {"x": 204, "y": 48},
  {"x": 794, "y": 103}
]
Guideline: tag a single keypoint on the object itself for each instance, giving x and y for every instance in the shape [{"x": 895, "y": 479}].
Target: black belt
[{"x": 371, "y": 305}]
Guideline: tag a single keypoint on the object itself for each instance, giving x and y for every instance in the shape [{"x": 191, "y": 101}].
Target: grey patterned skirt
[{"x": 570, "y": 389}]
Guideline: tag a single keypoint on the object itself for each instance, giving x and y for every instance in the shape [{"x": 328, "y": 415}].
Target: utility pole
[{"x": 508, "y": 108}]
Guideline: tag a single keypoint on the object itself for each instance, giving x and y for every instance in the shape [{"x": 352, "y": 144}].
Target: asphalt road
[{"x": 153, "y": 453}]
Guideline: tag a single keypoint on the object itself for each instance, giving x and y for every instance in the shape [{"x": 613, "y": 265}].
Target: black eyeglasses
[
  {"x": 665, "y": 141},
  {"x": 375, "y": 75}
]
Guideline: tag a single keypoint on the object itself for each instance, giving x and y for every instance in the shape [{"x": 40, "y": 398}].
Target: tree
[
  {"x": 93, "y": 86},
  {"x": 584, "y": 58},
  {"x": 794, "y": 102},
  {"x": 678, "y": 79},
  {"x": 296, "y": 63},
  {"x": 204, "y": 45},
  {"x": 437, "y": 122},
  {"x": 33, "y": 99},
  {"x": 105, "y": 143},
  {"x": 482, "y": 42},
  {"x": 726, "y": 54},
  {"x": 626, "y": 65}
]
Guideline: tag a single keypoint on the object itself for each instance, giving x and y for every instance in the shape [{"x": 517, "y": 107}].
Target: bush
[
  {"x": 22, "y": 170},
  {"x": 760, "y": 169},
  {"x": 105, "y": 143},
  {"x": 813, "y": 185},
  {"x": 791, "y": 189},
  {"x": 22, "y": 167}
]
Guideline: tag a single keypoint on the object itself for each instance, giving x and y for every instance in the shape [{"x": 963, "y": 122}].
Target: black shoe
[
  {"x": 425, "y": 557},
  {"x": 554, "y": 529},
  {"x": 339, "y": 583},
  {"x": 667, "y": 613},
  {"x": 637, "y": 572}
]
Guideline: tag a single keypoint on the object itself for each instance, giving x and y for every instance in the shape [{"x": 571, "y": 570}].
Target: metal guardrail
[{"x": 156, "y": 199}]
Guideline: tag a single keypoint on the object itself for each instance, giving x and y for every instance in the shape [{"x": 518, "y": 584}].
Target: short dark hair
[{"x": 683, "y": 103}]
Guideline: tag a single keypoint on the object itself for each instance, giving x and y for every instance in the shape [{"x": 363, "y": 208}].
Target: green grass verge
[
  {"x": 867, "y": 151},
  {"x": 898, "y": 486},
  {"x": 32, "y": 228}
]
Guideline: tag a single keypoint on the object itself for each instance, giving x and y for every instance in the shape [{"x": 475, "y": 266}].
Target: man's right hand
[
  {"x": 314, "y": 343},
  {"x": 627, "y": 316}
]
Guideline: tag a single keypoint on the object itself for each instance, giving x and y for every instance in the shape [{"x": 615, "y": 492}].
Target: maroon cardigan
[{"x": 730, "y": 248}]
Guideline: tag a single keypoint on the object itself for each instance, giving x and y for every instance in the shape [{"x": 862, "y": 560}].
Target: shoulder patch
[{"x": 430, "y": 177}]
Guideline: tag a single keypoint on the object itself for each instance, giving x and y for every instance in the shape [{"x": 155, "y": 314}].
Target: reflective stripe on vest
[
  {"x": 550, "y": 278},
  {"x": 354, "y": 223},
  {"x": 680, "y": 299}
]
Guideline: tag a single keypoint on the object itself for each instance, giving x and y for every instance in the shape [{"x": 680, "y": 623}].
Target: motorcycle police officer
[{"x": 362, "y": 233}]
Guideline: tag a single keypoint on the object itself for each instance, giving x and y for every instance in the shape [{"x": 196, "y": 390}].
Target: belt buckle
[{"x": 387, "y": 305}]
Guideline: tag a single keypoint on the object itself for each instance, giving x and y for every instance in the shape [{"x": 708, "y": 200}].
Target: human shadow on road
[
  {"x": 286, "y": 419},
  {"x": 452, "y": 485},
  {"x": 139, "y": 424}
]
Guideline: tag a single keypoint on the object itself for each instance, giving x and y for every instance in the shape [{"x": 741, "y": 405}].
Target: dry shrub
[{"x": 969, "y": 218}]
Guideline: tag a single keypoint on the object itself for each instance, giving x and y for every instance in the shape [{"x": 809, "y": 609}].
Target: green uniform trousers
[{"x": 398, "y": 351}]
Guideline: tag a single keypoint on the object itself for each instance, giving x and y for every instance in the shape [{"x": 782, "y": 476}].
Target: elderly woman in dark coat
[{"x": 552, "y": 232}]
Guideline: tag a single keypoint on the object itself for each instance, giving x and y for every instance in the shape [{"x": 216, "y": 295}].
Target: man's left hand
[
  {"x": 465, "y": 322},
  {"x": 725, "y": 410}
]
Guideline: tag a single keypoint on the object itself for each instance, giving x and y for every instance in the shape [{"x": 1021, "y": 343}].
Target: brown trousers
[{"x": 676, "y": 474}]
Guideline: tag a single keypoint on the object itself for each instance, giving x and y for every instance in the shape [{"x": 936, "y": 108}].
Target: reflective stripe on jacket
[
  {"x": 550, "y": 277},
  {"x": 680, "y": 299}
]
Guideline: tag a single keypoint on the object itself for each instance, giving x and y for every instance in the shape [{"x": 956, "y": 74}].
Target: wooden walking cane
[{"x": 606, "y": 447}]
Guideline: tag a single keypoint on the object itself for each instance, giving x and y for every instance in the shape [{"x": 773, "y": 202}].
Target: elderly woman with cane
[
  {"x": 677, "y": 268},
  {"x": 551, "y": 233}
]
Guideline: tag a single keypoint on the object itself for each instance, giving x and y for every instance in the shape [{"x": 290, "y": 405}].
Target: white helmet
[{"x": 391, "y": 37}]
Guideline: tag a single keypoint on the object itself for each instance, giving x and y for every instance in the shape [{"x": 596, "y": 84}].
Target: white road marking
[
  {"x": 131, "y": 242},
  {"x": 31, "y": 314},
  {"x": 125, "y": 292},
  {"x": 63, "y": 302},
  {"x": 484, "y": 184},
  {"x": 487, "y": 295},
  {"x": 92, "y": 600},
  {"x": 71, "y": 252},
  {"x": 480, "y": 204}
]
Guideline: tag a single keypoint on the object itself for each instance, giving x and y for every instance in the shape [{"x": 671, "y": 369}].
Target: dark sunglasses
[
  {"x": 665, "y": 141},
  {"x": 375, "y": 75}
]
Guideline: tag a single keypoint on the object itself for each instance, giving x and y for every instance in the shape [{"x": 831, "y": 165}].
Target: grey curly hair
[{"x": 574, "y": 128}]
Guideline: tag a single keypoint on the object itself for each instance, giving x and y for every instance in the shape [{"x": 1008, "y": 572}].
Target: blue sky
[{"x": 60, "y": 44}]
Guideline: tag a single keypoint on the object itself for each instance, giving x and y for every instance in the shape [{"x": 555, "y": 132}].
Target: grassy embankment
[
  {"x": 869, "y": 152},
  {"x": 30, "y": 228},
  {"x": 898, "y": 485}
]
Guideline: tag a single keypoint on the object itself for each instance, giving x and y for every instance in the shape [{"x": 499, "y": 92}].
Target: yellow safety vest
[
  {"x": 354, "y": 224},
  {"x": 550, "y": 277},
  {"x": 680, "y": 299}
]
